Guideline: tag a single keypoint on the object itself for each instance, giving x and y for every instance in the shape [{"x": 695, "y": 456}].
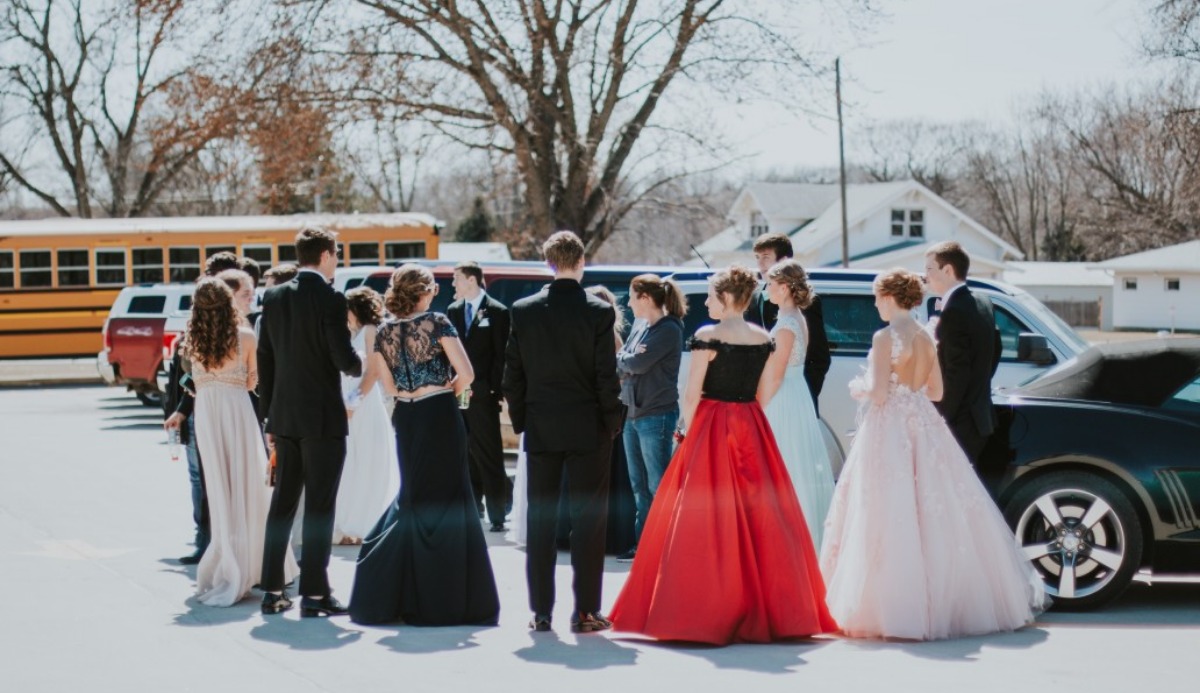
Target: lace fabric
[
  {"x": 232, "y": 373},
  {"x": 800, "y": 345},
  {"x": 413, "y": 352},
  {"x": 734, "y": 372}
]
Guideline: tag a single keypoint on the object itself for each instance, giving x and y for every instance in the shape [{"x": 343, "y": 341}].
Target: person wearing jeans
[{"x": 648, "y": 364}]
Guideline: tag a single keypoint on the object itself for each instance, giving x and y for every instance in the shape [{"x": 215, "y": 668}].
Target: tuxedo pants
[
  {"x": 485, "y": 454},
  {"x": 969, "y": 439},
  {"x": 314, "y": 466},
  {"x": 587, "y": 476}
]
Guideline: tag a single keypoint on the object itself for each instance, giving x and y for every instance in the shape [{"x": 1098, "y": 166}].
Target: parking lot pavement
[
  {"x": 30, "y": 372},
  {"x": 93, "y": 512}
]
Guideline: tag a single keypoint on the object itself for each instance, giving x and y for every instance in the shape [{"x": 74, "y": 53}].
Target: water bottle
[{"x": 173, "y": 444}]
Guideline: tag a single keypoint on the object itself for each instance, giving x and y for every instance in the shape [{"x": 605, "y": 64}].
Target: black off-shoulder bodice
[{"x": 734, "y": 372}]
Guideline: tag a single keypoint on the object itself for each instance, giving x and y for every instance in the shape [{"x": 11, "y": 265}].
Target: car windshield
[{"x": 1061, "y": 329}]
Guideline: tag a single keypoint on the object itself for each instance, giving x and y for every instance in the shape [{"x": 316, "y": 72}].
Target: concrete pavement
[{"x": 93, "y": 512}]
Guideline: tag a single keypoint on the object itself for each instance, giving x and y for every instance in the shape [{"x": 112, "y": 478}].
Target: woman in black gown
[{"x": 426, "y": 561}]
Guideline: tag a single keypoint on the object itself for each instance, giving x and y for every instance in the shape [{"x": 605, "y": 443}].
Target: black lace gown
[{"x": 426, "y": 561}]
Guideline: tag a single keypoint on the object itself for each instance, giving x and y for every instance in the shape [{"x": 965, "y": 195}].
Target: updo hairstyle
[
  {"x": 792, "y": 275},
  {"x": 903, "y": 286},
  {"x": 408, "y": 284},
  {"x": 736, "y": 284},
  {"x": 366, "y": 304}
]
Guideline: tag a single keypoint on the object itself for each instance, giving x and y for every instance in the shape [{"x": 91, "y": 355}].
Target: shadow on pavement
[
  {"x": 419, "y": 640},
  {"x": 588, "y": 652},
  {"x": 199, "y": 614},
  {"x": 1142, "y": 606},
  {"x": 766, "y": 658},
  {"x": 958, "y": 649},
  {"x": 305, "y": 634}
]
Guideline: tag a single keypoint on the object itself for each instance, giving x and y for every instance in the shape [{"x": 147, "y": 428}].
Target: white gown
[
  {"x": 234, "y": 457},
  {"x": 914, "y": 546},
  {"x": 371, "y": 474},
  {"x": 793, "y": 420}
]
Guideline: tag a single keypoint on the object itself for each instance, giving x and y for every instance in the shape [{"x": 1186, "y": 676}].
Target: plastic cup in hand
[
  {"x": 173, "y": 445},
  {"x": 464, "y": 399}
]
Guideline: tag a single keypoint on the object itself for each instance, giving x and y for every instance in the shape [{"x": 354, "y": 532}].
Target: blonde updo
[
  {"x": 903, "y": 286},
  {"x": 408, "y": 285},
  {"x": 735, "y": 284},
  {"x": 792, "y": 275}
]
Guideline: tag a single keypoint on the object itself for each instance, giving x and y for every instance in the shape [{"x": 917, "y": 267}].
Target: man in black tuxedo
[
  {"x": 560, "y": 379},
  {"x": 482, "y": 323},
  {"x": 968, "y": 348},
  {"x": 304, "y": 343},
  {"x": 768, "y": 250}
]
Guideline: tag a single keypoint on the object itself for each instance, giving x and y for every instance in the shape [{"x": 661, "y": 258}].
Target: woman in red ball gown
[{"x": 725, "y": 554}]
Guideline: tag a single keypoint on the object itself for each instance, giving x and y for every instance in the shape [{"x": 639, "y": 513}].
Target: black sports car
[{"x": 1096, "y": 466}]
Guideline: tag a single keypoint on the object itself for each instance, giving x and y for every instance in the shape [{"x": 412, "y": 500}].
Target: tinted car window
[
  {"x": 1187, "y": 399},
  {"x": 697, "y": 315},
  {"x": 143, "y": 305},
  {"x": 1010, "y": 329},
  {"x": 185, "y": 302},
  {"x": 850, "y": 322},
  {"x": 511, "y": 290}
]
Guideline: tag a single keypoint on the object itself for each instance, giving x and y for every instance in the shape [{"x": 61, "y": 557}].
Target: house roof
[
  {"x": 1056, "y": 274},
  {"x": 791, "y": 200},
  {"x": 1184, "y": 257}
]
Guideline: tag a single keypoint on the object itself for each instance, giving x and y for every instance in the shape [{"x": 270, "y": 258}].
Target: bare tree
[
  {"x": 569, "y": 90},
  {"x": 1174, "y": 30},
  {"x": 933, "y": 154}
]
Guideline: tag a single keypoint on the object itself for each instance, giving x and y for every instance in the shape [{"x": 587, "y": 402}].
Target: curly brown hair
[
  {"x": 903, "y": 286},
  {"x": 792, "y": 275},
  {"x": 735, "y": 284},
  {"x": 408, "y": 284},
  {"x": 212, "y": 330},
  {"x": 366, "y": 304}
]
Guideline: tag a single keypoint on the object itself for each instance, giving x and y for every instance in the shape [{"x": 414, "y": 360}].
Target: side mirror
[{"x": 1033, "y": 348}]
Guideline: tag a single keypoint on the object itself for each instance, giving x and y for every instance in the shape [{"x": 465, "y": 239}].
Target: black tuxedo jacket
[
  {"x": 968, "y": 349},
  {"x": 560, "y": 375},
  {"x": 484, "y": 342},
  {"x": 763, "y": 313},
  {"x": 303, "y": 345}
]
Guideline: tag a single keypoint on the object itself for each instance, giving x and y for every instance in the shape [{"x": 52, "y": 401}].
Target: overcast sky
[{"x": 952, "y": 60}]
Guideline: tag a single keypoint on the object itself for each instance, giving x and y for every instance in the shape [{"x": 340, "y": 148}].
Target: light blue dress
[{"x": 797, "y": 432}]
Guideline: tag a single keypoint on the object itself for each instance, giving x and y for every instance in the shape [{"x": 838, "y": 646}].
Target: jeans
[
  {"x": 199, "y": 497},
  {"x": 648, "y": 443}
]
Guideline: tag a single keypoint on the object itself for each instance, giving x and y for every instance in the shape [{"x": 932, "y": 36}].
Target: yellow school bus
[{"x": 58, "y": 277}]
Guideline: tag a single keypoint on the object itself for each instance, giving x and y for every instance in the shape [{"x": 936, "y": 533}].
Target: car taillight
[
  {"x": 106, "y": 337},
  {"x": 170, "y": 341}
]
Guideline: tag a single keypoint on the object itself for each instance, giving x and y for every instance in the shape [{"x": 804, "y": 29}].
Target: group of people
[{"x": 741, "y": 534}]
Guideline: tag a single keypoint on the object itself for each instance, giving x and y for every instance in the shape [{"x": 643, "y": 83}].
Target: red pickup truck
[{"x": 136, "y": 338}]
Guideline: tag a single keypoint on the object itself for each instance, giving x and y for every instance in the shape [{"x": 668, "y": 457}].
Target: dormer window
[
  {"x": 908, "y": 223},
  {"x": 758, "y": 225}
]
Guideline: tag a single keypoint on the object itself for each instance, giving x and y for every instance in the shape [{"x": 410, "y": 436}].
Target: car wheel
[
  {"x": 1082, "y": 535},
  {"x": 153, "y": 398}
]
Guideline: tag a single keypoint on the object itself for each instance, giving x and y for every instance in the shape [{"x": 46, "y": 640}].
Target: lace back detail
[
  {"x": 800, "y": 345},
  {"x": 233, "y": 374},
  {"x": 413, "y": 351}
]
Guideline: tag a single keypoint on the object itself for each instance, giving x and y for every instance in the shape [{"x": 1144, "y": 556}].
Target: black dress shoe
[
  {"x": 540, "y": 623},
  {"x": 275, "y": 603},
  {"x": 192, "y": 559},
  {"x": 589, "y": 623},
  {"x": 497, "y": 527},
  {"x": 325, "y": 606}
]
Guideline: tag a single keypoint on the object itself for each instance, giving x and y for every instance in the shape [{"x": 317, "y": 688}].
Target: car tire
[
  {"x": 152, "y": 398},
  {"x": 1082, "y": 535}
]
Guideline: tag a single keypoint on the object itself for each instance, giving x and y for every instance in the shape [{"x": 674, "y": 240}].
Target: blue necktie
[{"x": 470, "y": 317}]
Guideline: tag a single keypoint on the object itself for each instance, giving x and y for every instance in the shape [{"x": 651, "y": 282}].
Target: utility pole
[
  {"x": 317, "y": 185},
  {"x": 837, "y": 71}
]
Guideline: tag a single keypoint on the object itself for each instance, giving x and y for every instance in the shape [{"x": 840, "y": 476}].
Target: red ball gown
[{"x": 725, "y": 555}]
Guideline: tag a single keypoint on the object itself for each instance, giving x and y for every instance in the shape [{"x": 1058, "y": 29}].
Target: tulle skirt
[
  {"x": 801, "y": 442},
  {"x": 914, "y": 546},
  {"x": 371, "y": 475}
]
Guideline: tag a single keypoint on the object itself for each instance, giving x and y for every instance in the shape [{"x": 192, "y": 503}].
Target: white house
[
  {"x": 890, "y": 225},
  {"x": 1157, "y": 289},
  {"x": 1071, "y": 289}
]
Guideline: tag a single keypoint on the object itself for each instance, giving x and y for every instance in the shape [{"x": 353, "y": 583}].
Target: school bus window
[
  {"x": 73, "y": 267},
  {"x": 6, "y": 269},
  {"x": 403, "y": 251},
  {"x": 364, "y": 254},
  {"x": 210, "y": 250},
  {"x": 287, "y": 252},
  {"x": 147, "y": 265},
  {"x": 185, "y": 264},
  {"x": 110, "y": 266},
  {"x": 35, "y": 269},
  {"x": 260, "y": 254}
]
